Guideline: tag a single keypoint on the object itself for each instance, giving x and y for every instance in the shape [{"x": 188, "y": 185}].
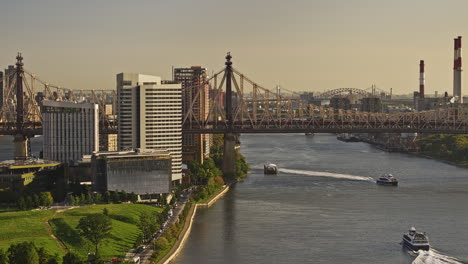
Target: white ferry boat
[
  {"x": 270, "y": 168},
  {"x": 387, "y": 179},
  {"x": 415, "y": 240}
]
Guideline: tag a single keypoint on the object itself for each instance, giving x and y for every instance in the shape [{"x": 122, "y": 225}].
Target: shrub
[{"x": 161, "y": 243}]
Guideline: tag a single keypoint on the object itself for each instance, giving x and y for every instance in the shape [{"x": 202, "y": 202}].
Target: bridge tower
[
  {"x": 20, "y": 140},
  {"x": 229, "y": 155}
]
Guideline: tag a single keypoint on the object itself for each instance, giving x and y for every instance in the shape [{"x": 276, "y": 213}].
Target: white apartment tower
[
  {"x": 150, "y": 116},
  {"x": 70, "y": 130}
]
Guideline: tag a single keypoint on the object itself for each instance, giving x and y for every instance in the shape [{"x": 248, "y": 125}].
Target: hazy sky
[{"x": 301, "y": 45}]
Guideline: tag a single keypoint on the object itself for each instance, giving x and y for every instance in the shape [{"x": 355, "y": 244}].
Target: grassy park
[{"x": 38, "y": 226}]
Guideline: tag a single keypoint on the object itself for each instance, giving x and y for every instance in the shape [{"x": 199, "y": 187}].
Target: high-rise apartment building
[
  {"x": 70, "y": 130},
  {"x": 194, "y": 146},
  {"x": 1, "y": 89},
  {"x": 149, "y": 114},
  {"x": 6, "y": 78}
]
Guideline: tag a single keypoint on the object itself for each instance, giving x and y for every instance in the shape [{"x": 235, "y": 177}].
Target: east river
[{"x": 324, "y": 206}]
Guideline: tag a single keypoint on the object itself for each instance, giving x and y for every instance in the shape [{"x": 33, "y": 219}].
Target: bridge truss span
[
  {"x": 256, "y": 109},
  {"x": 23, "y": 94}
]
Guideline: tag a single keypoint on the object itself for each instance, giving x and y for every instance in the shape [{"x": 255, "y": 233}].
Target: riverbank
[
  {"x": 425, "y": 155},
  {"x": 183, "y": 235},
  {"x": 412, "y": 151}
]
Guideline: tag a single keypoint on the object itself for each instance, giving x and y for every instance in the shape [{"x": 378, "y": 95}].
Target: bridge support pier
[
  {"x": 21, "y": 147},
  {"x": 229, "y": 156}
]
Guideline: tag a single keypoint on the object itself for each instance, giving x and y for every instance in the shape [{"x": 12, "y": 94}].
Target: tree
[
  {"x": 78, "y": 200},
  {"x": 133, "y": 197},
  {"x": 107, "y": 196},
  {"x": 23, "y": 253},
  {"x": 96, "y": 228},
  {"x": 98, "y": 198},
  {"x": 161, "y": 243},
  {"x": 35, "y": 201},
  {"x": 219, "y": 181},
  {"x": 89, "y": 198},
  {"x": 53, "y": 259},
  {"x": 29, "y": 202},
  {"x": 72, "y": 200},
  {"x": 174, "y": 230},
  {"x": 115, "y": 197},
  {"x": 72, "y": 258},
  {"x": 43, "y": 255},
  {"x": 21, "y": 204},
  {"x": 148, "y": 224},
  {"x": 123, "y": 196},
  {"x": 83, "y": 198},
  {"x": 3, "y": 257},
  {"x": 169, "y": 234},
  {"x": 46, "y": 199},
  {"x": 105, "y": 211}
]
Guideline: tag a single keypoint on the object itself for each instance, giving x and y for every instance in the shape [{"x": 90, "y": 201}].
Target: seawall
[{"x": 181, "y": 239}]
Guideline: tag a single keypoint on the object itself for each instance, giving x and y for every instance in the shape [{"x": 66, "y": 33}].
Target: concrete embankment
[{"x": 177, "y": 247}]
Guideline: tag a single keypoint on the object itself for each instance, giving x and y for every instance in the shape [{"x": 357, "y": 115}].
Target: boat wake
[
  {"x": 434, "y": 257},
  {"x": 327, "y": 174}
]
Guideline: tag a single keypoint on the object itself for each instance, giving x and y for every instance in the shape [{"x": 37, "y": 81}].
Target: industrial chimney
[
  {"x": 457, "y": 69},
  {"x": 421, "y": 79}
]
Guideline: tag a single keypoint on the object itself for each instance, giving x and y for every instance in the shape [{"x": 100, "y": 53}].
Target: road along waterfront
[{"x": 324, "y": 207}]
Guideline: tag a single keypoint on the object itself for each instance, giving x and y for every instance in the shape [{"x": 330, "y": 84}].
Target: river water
[{"x": 323, "y": 207}]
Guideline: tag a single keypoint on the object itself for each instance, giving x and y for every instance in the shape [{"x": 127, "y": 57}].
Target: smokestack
[
  {"x": 421, "y": 79},
  {"x": 457, "y": 69}
]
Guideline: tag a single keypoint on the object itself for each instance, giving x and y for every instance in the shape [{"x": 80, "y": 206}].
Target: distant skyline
[{"x": 312, "y": 45}]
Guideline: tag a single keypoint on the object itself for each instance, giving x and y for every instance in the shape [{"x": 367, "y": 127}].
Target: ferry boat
[
  {"x": 270, "y": 168},
  {"x": 387, "y": 179},
  {"x": 348, "y": 137},
  {"x": 415, "y": 240}
]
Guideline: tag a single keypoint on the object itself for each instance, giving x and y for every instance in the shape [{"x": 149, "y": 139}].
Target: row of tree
[
  {"x": 168, "y": 238},
  {"x": 29, "y": 253},
  {"x": 107, "y": 197},
  {"x": 43, "y": 199}
]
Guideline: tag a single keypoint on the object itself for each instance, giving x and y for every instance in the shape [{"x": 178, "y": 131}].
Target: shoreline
[
  {"x": 184, "y": 234},
  {"x": 418, "y": 154}
]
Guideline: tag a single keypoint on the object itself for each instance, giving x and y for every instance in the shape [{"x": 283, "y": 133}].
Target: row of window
[
  {"x": 162, "y": 97},
  {"x": 163, "y": 89}
]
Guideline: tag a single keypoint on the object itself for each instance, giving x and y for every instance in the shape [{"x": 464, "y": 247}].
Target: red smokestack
[
  {"x": 421, "y": 78},
  {"x": 457, "y": 69}
]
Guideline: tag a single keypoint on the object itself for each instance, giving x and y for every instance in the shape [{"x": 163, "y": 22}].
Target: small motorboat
[
  {"x": 309, "y": 134},
  {"x": 270, "y": 168},
  {"x": 387, "y": 179},
  {"x": 415, "y": 240}
]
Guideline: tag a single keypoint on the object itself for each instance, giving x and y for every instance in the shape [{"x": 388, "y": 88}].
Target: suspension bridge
[{"x": 236, "y": 105}]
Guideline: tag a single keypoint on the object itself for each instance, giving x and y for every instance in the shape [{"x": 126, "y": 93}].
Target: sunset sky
[{"x": 310, "y": 45}]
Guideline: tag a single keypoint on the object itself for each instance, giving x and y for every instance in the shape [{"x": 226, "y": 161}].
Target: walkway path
[{"x": 62, "y": 246}]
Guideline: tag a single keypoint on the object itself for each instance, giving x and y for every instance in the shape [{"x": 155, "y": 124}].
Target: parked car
[{"x": 140, "y": 249}]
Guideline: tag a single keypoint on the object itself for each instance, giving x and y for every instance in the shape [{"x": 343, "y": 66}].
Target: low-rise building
[
  {"x": 143, "y": 171},
  {"x": 16, "y": 174}
]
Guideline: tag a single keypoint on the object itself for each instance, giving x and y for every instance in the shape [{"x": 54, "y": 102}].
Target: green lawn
[
  {"x": 30, "y": 226},
  {"x": 124, "y": 228},
  {"x": 16, "y": 227}
]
